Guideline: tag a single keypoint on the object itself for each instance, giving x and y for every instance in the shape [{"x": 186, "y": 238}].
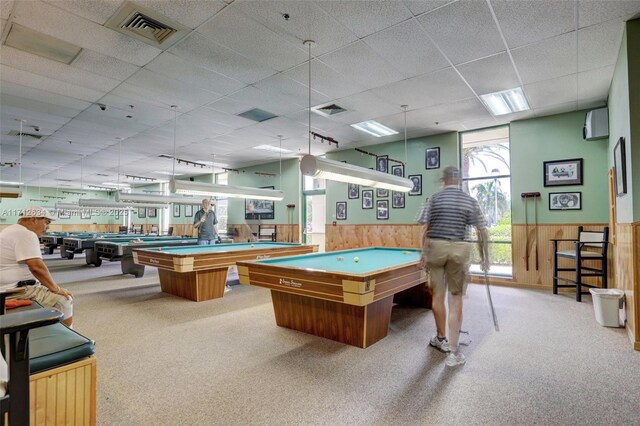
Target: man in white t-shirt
[{"x": 21, "y": 263}]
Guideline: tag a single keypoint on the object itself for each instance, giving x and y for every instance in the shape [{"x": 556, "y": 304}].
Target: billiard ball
[
  {"x": 252, "y": 245},
  {"x": 405, "y": 252},
  {"x": 356, "y": 259}
]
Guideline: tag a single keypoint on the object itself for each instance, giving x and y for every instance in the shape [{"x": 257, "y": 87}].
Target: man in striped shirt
[{"x": 448, "y": 214}]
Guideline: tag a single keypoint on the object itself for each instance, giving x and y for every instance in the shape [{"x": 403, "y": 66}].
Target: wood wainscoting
[
  {"x": 284, "y": 233},
  {"x": 627, "y": 265}
]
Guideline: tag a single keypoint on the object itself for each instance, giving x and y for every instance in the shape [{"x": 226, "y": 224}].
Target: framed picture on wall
[
  {"x": 432, "y": 158},
  {"x": 398, "y": 170},
  {"x": 620, "y": 167},
  {"x": 563, "y": 172},
  {"x": 152, "y": 212},
  {"x": 142, "y": 212},
  {"x": 397, "y": 200},
  {"x": 341, "y": 210},
  {"x": 382, "y": 193},
  {"x": 367, "y": 199},
  {"x": 188, "y": 210},
  {"x": 382, "y": 163},
  {"x": 353, "y": 190},
  {"x": 417, "y": 185},
  {"x": 382, "y": 212},
  {"x": 565, "y": 201},
  {"x": 176, "y": 210}
]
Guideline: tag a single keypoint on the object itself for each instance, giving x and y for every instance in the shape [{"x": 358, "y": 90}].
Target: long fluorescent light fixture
[
  {"x": 271, "y": 148},
  {"x": 374, "y": 128},
  {"x": 10, "y": 191},
  {"x": 90, "y": 202},
  {"x": 322, "y": 168},
  {"x": 150, "y": 198},
  {"x": 506, "y": 101},
  {"x": 228, "y": 191}
]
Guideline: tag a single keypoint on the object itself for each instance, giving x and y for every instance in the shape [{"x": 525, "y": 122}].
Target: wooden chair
[{"x": 590, "y": 248}]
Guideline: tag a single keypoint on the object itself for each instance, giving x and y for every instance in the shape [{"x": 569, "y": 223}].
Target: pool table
[
  {"x": 123, "y": 250},
  {"x": 346, "y": 295},
  {"x": 87, "y": 243},
  {"x": 200, "y": 272},
  {"x": 53, "y": 240}
]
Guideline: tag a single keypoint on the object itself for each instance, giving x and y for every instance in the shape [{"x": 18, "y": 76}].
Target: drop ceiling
[{"x": 369, "y": 57}]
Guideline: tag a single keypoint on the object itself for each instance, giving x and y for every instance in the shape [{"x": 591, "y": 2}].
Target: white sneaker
[
  {"x": 454, "y": 359},
  {"x": 442, "y": 345},
  {"x": 227, "y": 288}
]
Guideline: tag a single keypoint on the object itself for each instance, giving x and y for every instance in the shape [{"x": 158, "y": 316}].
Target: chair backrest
[
  {"x": 137, "y": 229},
  {"x": 594, "y": 238},
  {"x": 154, "y": 229},
  {"x": 170, "y": 231},
  {"x": 123, "y": 229}
]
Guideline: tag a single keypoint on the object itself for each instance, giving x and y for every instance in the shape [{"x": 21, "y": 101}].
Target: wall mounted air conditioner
[{"x": 596, "y": 124}]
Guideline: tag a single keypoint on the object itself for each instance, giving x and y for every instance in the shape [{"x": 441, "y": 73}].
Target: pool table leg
[
  {"x": 359, "y": 326},
  {"x": 418, "y": 296},
  {"x": 196, "y": 285},
  {"x": 129, "y": 267}
]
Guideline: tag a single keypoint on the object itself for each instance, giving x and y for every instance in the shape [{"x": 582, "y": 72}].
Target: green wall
[
  {"x": 337, "y": 191},
  {"x": 557, "y": 137},
  {"x": 290, "y": 186}
]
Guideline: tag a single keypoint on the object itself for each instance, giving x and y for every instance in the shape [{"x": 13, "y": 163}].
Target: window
[{"x": 486, "y": 173}]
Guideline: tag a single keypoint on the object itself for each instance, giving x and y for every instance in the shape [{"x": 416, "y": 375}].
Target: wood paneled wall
[
  {"x": 343, "y": 237},
  {"x": 284, "y": 233},
  {"x": 627, "y": 265}
]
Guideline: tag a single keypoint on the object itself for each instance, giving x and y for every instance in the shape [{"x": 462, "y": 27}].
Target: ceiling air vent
[
  {"x": 146, "y": 25},
  {"x": 17, "y": 133},
  {"x": 328, "y": 110},
  {"x": 258, "y": 115}
]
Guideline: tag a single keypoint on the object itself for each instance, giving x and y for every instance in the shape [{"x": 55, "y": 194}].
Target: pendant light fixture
[
  {"x": 322, "y": 168},
  {"x": 213, "y": 189}
]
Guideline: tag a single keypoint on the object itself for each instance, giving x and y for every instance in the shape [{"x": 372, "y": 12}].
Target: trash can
[{"x": 607, "y": 304}]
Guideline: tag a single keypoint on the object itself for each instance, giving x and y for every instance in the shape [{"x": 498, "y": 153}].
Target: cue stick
[
  {"x": 526, "y": 196},
  {"x": 493, "y": 311}
]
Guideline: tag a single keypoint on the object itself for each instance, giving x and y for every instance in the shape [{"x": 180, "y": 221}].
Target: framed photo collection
[
  {"x": 398, "y": 170},
  {"x": 432, "y": 158},
  {"x": 188, "y": 210},
  {"x": 341, "y": 210},
  {"x": 353, "y": 191},
  {"x": 176, "y": 210},
  {"x": 142, "y": 212},
  {"x": 382, "y": 163},
  {"x": 397, "y": 200}
]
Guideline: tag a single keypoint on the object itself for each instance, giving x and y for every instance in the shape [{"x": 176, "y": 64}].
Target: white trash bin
[{"x": 607, "y": 304}]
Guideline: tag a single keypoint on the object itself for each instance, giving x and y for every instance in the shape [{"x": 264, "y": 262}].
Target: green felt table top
[
  {"x": 369, "y": 260},
  {"x": 219, "y": 248}
]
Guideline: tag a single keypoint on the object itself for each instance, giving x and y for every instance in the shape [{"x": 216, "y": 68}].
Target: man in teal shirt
[{"x": 205, "y": 221}]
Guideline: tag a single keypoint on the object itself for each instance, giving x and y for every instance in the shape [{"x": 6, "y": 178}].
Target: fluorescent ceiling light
[
  {"x": 10, "y": 191},
  {"x": 506, "y": 101},
  {"x": 271, "y": 148},
  {"x": 10, "y": 183},
  {"x": 150, "y": 198},
  {"x": 116, "y": 185},
  {"x": 89, "y": 202},
  {"x": 374, "y": 128},
  {"x": 168, "y": 173},
  {"x": 322, "y": 168},
  {"x": 228, "y": 191}
]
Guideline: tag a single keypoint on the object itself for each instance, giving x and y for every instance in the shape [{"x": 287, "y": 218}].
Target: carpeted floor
[{"x": 164, "y": 360}]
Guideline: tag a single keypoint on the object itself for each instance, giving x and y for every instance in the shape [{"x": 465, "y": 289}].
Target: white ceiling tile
[
  {"x": 555, "y": 109},
  {"x": 591, "y": 103},
  {"x": 360, "y": 63},
  {"x": 594, "y": 12},
  {"x": 363, "y": 106},
  {"x": 365, "y": 18},
  {"x": 598, "y": 45},
  {"x": 173, "y": 66},
  {"x": 229, "y": 120},
  {"x": 51, "y": 112},
  {"x": 231, "y": 106},
  {"x": 55, "y": 70},
  {"x": 275, "y": 103},
  {"x": 533, "y": 60},
  {"x": 551, "y": 92},
  {"x": 280, "y": 126},
  {"x": 6, "y": 9},
  {"x": 529, "y": 21},
  {"x": 26, "y": 78},
  {"x": 408, "y": 49},
  {"x": 418, "y": 7},
  {"x": 3, "y": 23},
  {"x": 98, "y": 11},
  {"x": 490, "y": 74},
  {"x": 324, "y": 79},
  {"x": 104, "y": 65},
  {"x": 234, "y": 30},
  {"x": 318, "y": 122},
  {"x": 464, "y": 31},
  {"x": 42, "y": 95},
  {"x": 199, "y": 50},
  {"x": 190, "y": 13},
  {"x": 426, "y": 90},
  {"x": 297, "y": 93},
  {"x": 73, "y": 29},
  {"x": 466, "y": 110},
  {"x": 142, "y": 112},
  {"x": 307, "y": 22},
  {"x": 594, "y": 84},
  {"x": 172, "y": 92}
]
